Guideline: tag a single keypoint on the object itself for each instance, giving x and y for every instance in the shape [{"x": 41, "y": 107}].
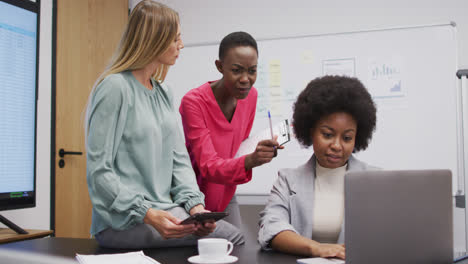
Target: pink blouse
[{"x": 212, "y": 142}]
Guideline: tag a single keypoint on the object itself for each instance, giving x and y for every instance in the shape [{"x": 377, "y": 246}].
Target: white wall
[
  {"x": 39, "y": 217},
  {"x": 210, "y": 20}
]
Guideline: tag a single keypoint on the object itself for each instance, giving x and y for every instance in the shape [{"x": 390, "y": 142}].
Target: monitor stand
[{"x": 11, "y": 225}]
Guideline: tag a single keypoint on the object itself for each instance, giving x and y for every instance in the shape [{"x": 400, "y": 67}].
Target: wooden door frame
[
  {"x": 52, "y": 119},
  {"x": 53, "y": 134}
]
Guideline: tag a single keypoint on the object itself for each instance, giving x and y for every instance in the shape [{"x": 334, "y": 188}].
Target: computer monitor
[{"x": 19, "y": 42}]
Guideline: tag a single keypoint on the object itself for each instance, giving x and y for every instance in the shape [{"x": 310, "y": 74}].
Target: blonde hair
[{"x": 150, "y": 30}]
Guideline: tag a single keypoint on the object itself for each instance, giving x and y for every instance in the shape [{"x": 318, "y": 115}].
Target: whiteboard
[{"x": 410, "y": 73}]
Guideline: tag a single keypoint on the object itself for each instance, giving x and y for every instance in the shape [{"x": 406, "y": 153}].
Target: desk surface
[
  {"x": 8, "y": 235},
  {"x": 248, "y": 253}
]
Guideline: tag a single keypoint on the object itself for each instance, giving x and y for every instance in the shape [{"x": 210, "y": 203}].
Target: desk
[
  {"x": 8, "y": 235},
  {"x": 248, "y": 253}
]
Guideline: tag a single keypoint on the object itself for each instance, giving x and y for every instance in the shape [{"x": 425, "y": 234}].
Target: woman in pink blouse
[{"x": 217, "y": 117}]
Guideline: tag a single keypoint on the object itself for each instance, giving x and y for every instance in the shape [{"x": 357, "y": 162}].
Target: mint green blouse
[{"x": 136, "y": 156}]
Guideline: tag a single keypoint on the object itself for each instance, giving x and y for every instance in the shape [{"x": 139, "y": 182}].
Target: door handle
[{"x": 62, "y": 153}]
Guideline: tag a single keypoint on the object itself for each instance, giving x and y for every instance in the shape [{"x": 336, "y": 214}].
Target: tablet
[{"x": 204, "y": 217}]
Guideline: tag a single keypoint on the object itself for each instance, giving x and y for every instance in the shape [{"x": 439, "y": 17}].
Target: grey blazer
[{"x": 290, "y": 205}]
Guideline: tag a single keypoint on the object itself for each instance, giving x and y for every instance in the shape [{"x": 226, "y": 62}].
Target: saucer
[{"x": 197, "y": 260}]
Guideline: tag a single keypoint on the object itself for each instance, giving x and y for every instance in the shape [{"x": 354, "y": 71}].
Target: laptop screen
[{"x": 398, "y": 217}]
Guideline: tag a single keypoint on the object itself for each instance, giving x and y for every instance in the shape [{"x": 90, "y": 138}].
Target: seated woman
[
  {"x": 217, "y": 117},
  {"x": 305, "y": 210}
]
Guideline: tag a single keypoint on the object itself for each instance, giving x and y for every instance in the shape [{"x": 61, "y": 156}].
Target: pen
[
  {"x": 271, "y": 127},
  {"x": 271, "y": 132}
]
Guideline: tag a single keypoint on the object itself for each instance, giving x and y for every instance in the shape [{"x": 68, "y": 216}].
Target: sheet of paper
[
  {"x": 280, "y": 129},
  {"x": 320, "y": 261},
  {"x": 342, "y": 67},
  {"x": 123, "y": 258}
]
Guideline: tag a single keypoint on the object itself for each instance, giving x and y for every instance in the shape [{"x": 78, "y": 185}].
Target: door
[{"x": 88, "y": 32}]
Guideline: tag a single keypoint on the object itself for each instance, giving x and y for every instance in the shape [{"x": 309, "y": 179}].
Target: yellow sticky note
[{"x": 275, "y": 73}]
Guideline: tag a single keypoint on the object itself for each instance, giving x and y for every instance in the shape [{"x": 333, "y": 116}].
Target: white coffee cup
[{"x": 214, "y": 248}]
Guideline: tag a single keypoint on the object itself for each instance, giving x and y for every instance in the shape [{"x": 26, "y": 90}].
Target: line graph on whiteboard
[{"x": 384, "y": 77}]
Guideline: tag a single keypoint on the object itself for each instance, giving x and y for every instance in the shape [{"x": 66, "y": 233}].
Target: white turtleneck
[{"x": 328, "y": 203}]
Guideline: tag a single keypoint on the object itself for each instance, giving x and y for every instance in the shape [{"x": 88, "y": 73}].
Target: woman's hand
[
  {"x": 264, "y": 153},
  {"x": 168, "y": 225},
  {"x": 199, "y": 208},
  {"x": 329, "y": 250},
  {"x": 205, "y": 228}
]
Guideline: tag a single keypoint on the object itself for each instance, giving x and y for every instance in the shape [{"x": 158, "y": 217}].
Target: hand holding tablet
[{"x": 204, "y": 217}]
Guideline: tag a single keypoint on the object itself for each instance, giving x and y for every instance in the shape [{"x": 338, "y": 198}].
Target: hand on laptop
[{"x": 324, "y": 250}]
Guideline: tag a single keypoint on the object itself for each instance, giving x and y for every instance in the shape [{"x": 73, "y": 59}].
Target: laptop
[{"x": 399, "y": 217}]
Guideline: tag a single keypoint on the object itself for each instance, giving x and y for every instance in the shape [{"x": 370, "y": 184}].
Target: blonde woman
[{"x": 139, "y": 174}]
